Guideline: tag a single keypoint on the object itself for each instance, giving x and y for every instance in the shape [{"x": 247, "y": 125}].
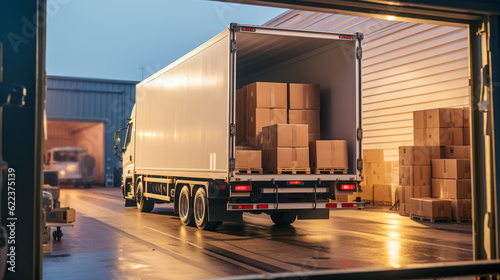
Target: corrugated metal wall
[
  {"x": 406, "y": 67},
  {"x": 92, "y": 100}
]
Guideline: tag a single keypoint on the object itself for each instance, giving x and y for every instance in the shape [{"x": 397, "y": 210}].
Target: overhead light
[{"x": 391, "y": 18}]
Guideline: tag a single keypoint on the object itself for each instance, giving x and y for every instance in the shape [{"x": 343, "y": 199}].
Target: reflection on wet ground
[{"x": 110, "y": 241}]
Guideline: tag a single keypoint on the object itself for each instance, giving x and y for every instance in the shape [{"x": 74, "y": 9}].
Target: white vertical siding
[{"x": 406, "y": 67}]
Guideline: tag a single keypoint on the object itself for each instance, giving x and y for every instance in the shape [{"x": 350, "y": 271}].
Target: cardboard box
[
  {"x": 381, "y": 178},
  {"x": 437, "y": 187},
  {"x": 328, "y": 154},
  {"x": 466, "y": 114},
  {"x": 444, "y": 137},
  {"x": 461, "y": 208},
  {"x": 241, "y": 117},
  {"x": 285, "y": 135},
  {"x": 61, "y": 215},
  {"x": 382, "y": 193},
  {"x": 403, "y": 209},
  {"x": 309, "y": 117},
  {"x": 375, "y": 167},
  {"x": 419, "y": 120},
  {"x": 259, "y": 118},
  {"x": 451, "y": 168},
  {"x": 248, "y": 159},
  {"x": 466, "y": 133},
  {"x": 275, "y": 158},
  {"x": 444, "y": 117},
  {"x": 267, "y": 95},
  {"x": 460, "y": 188},
  {"x": 414, "y": 155},
  {"x": 303, "y": 96},
  {"x": 437, "y": 152},
  {"x": 430, "y": 207},
  {"x": 415, "y": 175},
  {"x": 373, "y": 155},
  {"x": 415, "y": 191},
  {"x": 457, "y": 152}
]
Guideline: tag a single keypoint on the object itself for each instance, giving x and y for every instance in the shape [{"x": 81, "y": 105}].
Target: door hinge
[
  {"x": 233, "y": 46},
  {"x": 360, "y": 133},
  {"x": 232, "y": 129},
  {"x": 359, "y": 52}
]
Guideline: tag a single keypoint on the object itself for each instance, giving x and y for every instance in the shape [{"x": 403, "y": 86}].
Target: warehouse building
[{"x": 85, "y": 113}]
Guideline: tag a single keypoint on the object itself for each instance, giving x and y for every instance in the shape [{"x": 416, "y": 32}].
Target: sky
[{"x": 132, "y": 39}]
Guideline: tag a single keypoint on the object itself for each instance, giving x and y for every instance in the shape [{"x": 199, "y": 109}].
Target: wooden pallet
[
  {"x": 249, "y": 171},
  {"x": 430, "y": 219},
  {"x": 293, "y": 171},
  {"x": 329, "y": 171},
  {"x": 462, "y": 220}
]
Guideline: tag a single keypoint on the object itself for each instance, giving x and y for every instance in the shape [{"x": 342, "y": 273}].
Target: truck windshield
[{"x": 68, "y": 156}]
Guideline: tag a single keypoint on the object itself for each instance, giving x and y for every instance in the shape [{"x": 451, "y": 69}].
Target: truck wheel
[
  {"x": 143, "y": 204},
  {"x": 283, "y": 218},
  {"x": 201, "y": 211},
  {"x": 185, "y": 207}
]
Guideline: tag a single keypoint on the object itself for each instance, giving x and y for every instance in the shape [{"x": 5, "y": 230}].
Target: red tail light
[
  {"x": 347, "y": 205},
  {"x": 243, "y": 188},
  {"x": 331, "y": 205},
  {"x": 248, "y": 29},
  {"x": 347, "y": 187},
  {"x": 221, "y": 187},
  {"x": 345, "y": 37},
  {"x": 245, "y": 206},
  {"x": 295, "y": 182},
  {"x": 262, "y": 206}
]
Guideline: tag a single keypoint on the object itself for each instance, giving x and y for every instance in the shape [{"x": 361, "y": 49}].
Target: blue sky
[{"x": 113, "y": 39}]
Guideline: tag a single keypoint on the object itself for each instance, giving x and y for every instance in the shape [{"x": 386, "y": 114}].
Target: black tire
[
  {"x": 143, "y": 204},
  {"x": 186, "y": 207},
  {"x": 200, "y": 211},
  {"x": 284, "y": 218},
  {"x": 129, "y": 203}
]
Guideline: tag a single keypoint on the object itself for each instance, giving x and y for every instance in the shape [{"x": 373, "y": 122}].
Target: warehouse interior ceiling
[{"x": 87, "y": 135}]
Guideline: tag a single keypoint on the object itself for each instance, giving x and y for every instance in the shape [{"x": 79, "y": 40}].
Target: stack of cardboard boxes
[
  {"x": 379, "y": 184},
  {"x": 441, "y": 149},
  {"x": 303, "y": 107},
  {"x": 285, "y": 147}
]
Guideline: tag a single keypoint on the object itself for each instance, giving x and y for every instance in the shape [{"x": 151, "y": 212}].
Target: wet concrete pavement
[{"x": 110, "y": 241}]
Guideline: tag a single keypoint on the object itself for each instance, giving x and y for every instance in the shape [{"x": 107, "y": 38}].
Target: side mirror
[{"x": 116, "y": 140}]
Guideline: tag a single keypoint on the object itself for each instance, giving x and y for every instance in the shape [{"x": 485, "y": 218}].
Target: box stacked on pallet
[
  {"x": 328, "y": 156},
  {"x": 441, "y": 131},
  {"x": 266, "y": 105},
  {"x": 303, "y": 107},
  {"x": 285, "y": 149},
  {"x": 248, "y": 160}
]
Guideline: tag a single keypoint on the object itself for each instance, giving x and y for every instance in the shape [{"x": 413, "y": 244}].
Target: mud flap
[
  {"x": 313, "y": 214},
  {"x": 217, "y": 211}
]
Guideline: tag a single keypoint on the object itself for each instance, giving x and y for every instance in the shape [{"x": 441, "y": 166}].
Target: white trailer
[{"x": 180, "y": 140}]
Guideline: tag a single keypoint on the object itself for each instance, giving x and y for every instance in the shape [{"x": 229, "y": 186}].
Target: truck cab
[{"x": 74, "y": 164}]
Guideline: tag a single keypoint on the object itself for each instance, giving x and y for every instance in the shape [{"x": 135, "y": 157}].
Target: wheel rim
[
  {"x": 183, "y": 205},
  {"x": 199, "y": 207}
]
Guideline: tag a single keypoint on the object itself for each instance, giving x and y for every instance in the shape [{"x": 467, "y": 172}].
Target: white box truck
[{"x": 180, "y": 141}]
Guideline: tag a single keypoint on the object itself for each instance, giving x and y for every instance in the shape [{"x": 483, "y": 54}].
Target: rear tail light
[
  {"x": 262, "y": 206},
  {"x": 295, "y": 183},
  {"x": 347, "y": 187},
  {"x": 347, "y": 205},
  {"x": 248, "y": 29},
  {"x": 243, "y": 188},
  {"x": 221, "y": 187},
  {"x": 245, "y": 206},
  {"x": 331, "y": 205}
]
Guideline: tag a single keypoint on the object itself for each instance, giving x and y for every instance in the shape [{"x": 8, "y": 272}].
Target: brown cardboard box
[
  {"x": 303, "y": 96},
  {"x": 437, "y": 188},
  {"x": 248, "y": 159},
  {"x": 444, "y": 137},
  {"x": 61, "y": 215},
  {"x": 314, "y": 136},
  {"x": 414, "y": 155},
  {"x": 285, "y": 135},
  {"x": 381, "y": 178},
  {"x": 382, "y": 193},
  {"x": 415, "y": 175},
  {"x": 460, "y": 188},
  {"x": 376, "y": 167},
  {"x": 259, "y": 118},
  {"x": 466, "y": 132},
  {"x": 373, "y": 155},
  {"x": 419, "y": 120},
  {"x": 267, "y": 95},
  {"x": 461, "y": 208},
  {"x": 403, "y": 209},
  {"x": 275, "y": 158},
  {"x": 457, "y": 152},
  {"x": 451, "y": 168},
  {"x": 466, "y": 113},
  {"x": 430, "y": 207},
  {"x": 437, "y": 152},
  {"x": 419, "y": 137},
  {"x": 444, "y": 117},
  {"x": 309, "y": 117},
  {"x": 328, "y": 154},
  {"x": 241, "y": 117},
  {"x": 415, "y": 191}
]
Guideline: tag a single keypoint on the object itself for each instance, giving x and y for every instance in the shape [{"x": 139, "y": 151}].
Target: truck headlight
[
  {"x": 62, "y": 173},
  {"x": 71, "y": 167}
]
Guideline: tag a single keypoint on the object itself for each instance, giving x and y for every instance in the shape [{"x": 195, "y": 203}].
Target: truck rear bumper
[{"x": 293, "y": 206}]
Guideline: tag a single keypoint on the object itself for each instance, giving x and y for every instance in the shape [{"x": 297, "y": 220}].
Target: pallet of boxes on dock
[
  {"x": 438, "y": 133},
  {"x": 248, "y": 160}
]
